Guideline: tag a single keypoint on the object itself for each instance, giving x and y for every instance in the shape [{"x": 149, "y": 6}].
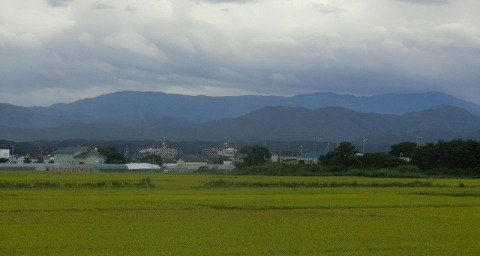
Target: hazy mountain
[
  {"x": 127, "y": 108},
  {"x": 15, "y": 116},
  {"x": 338, "y": 124},
  {"x": 332, "y": 124},
  {"x": 137, "y": 106},
  {"x": 324, "y": 116}
]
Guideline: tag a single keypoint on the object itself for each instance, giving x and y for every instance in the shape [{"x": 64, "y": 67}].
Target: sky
[{"x": 54, "y": 51}]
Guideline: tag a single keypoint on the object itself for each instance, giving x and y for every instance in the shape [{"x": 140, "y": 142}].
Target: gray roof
[
  {"x": 193, "y": 158},
  {"x": 313, "y": 154},
  {"x": 287, "y": 153},
  {"x": 70, "y": 150},
  {"x": 85, "y": 154},
  {"x": 78, "y": 152}
]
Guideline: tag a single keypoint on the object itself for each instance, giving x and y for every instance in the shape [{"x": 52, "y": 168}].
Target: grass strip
[
  {"x": 222, "y": 183},
  {"x": 145, "y": 182}
]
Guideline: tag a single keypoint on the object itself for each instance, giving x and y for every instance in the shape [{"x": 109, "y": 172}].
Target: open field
[{"x": 87, "y": 214}]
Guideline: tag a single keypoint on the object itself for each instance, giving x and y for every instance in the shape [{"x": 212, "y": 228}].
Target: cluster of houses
[
  {"x": 84, "y": 158},
  {"x": 7, "y": 157}
]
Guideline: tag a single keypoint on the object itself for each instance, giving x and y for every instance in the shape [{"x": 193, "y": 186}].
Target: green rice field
[{"x": 54, "y": 213}]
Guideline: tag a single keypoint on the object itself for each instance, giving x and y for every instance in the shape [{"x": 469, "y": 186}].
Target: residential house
[
  {"x": 285, "y": 157},
  {"x": 5, "y": 153},
  {"x": 310, "y": 157},
  {"x": 194, "y": 160},
  {"x": 78, "y": 155}
]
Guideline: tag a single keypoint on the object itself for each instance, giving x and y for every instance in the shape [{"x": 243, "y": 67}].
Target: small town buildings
[{"x": 78, "y": 155}]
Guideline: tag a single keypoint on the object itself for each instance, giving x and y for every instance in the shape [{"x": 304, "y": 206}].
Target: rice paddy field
[{"x": 54, "y": 213}]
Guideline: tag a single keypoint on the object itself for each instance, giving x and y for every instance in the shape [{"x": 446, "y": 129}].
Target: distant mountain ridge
[
  {"x": 281, "y": 123},
  {"x": 160, "y": 116},
  {"x": 130, "y": 107},
  {"x": 338, "y": 124},
  {"x": 207, "y": 108}
]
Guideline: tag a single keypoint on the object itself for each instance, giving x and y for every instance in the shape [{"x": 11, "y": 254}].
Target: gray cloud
[
  {"x": 425, "y": 1},
  {"x": 257, "y": 47},
  {"x": 228, "y": 1},
  {"x": 327, "y": 8},
  {"x": 59, "y": 3},
  {"x": 102, "y": 6}
]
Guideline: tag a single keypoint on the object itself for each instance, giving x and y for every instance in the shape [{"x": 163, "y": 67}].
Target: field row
[{"x": 186, "y": 215}]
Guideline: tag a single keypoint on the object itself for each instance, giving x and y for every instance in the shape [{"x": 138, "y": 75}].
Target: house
[
  {"x": 285, "y": 157},
  {"x": 5, "y": 153},
  {"x": 78, "y": 155},
  {"x": 310, "y": 157},
  {"x": 194, "y": 160}
]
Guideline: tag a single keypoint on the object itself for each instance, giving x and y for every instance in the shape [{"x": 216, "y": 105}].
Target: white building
[
  {"x": 224, "y": 151},
  {"x": 78, "y": 155},
  {"x": 5, "y": 153},
  {"x": 165, "y": 152}
]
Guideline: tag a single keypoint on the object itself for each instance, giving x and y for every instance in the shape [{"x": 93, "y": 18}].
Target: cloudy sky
[{"x": 62, "y": 50}]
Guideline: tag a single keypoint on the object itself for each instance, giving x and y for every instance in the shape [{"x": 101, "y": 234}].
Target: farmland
[{"x": 50, "y": 213}]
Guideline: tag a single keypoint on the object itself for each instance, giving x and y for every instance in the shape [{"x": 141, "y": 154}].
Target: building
[
  {"x": 165, "y": 152},
  {"x": 194, "y": 160},
  {"x": 78, "y": 155},
  {"x": 225, "y": 151},
  {"x": 310, "y": 157},
  {"x": 285, "y": 157},
  {"x": 5, "y": 153}
]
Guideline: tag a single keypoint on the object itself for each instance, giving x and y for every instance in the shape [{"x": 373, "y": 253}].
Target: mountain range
[{"x": 324, "y": 116}]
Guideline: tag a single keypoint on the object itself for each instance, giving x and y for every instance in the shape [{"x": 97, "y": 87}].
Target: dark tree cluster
[
  {"x": 151, "y": 158},
  {"x": 112, "y": 155},
  {"x": 346, "y": 156},
  {"x": 256, "y": 155},
  {"x": 453, "y": 155}
]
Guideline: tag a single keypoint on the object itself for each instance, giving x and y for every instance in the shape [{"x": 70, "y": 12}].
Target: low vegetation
[
  {"x": 222, "y": 183},
  {"x": 144, "y": 182}
]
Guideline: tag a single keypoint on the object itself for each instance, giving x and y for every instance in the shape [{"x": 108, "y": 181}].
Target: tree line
[{"x": 455, "y": 157}]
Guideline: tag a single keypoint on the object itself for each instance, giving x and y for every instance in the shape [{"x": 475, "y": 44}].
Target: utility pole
[
  {"x": 363, "y": 146},
  {"x": 418, "y": 138}
]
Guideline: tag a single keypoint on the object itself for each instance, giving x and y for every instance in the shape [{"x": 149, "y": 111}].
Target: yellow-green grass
[{"x": 180, "y": 216}]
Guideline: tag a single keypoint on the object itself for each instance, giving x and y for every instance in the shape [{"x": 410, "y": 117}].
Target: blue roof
[{"x": 313, "y": 154}]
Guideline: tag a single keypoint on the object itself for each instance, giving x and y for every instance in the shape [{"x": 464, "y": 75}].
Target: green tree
[
  {"x": 345, "y": 155},
  {"x": 112, "y": 155},
  {"x": 218, "y": 159},
  {"x": 152, "y": 159},
  {"x": 448, "y": 155},
  {"x": 3, "y": 160},
  {"x": 255, "y": 155},
  {"x": 404, "y": 149},
  {"x": 380, "y": 160},
  {"x": 425, "y": 157}
]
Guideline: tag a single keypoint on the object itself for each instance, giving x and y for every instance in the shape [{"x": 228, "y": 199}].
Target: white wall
[{"x": 5, "y": 153}]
